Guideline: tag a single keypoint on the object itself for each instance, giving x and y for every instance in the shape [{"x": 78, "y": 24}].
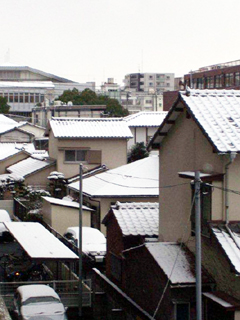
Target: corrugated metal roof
[
  {"x": 28, "y": 166},
  {"x": 137, "y": 179},
  {"x": 146, "y": 119},
  {"x": 90, "y": 128},
  {"x": 38, "y": 242},
  {"x": 9, "y": 149},
  {"x": 137, "y": 218}
]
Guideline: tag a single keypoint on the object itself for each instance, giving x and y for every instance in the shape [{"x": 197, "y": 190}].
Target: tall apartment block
[{"x": 155, "y": 82}]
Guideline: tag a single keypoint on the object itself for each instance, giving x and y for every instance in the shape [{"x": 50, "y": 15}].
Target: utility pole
[
  {"x": 198, "y": 245},
  {"x": 80, "y": 242}
]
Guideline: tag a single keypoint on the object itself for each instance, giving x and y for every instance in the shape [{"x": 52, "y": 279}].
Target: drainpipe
[{"x": 232, "y": 157}]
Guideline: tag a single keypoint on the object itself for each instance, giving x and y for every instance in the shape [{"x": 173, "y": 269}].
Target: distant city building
[
  {"x": 111, "y": 89},
  {"x": 158, "y": 82},
  {"x": 41, "y": 115},
  {"x": 25, "y": 87},
  {"x": 218, "y": 76}
]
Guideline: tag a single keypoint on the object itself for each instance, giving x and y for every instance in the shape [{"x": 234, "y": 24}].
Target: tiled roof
[
  {"x": 146, "y": 119},
  {"x": 173, "y": 260},
  {"x": 230, "y": 243},
  {"x": 28, "y": 166},
  {"x": 137, "y": 218},
  {"x": 9, "y": 149},
  {"x": 217, "y": 112},
  {"x": 90, "y": 128},
  {"x": 137, "y": 179}
]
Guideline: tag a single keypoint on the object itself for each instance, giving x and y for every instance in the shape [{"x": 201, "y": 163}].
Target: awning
[
  {"x": 224, "y": 300},
  {"x": 203, "y": 176},
  {"x": 38, "y": 242}
]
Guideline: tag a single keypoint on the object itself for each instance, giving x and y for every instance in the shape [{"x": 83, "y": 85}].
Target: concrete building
[
  {"x": 25, "y": 87},
  {"x": 218, "y": 76},
  {"x": 144, "y": 82},
  {"x": 111, "y": 89}
]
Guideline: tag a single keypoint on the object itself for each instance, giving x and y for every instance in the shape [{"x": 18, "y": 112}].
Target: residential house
[
  {"x": 61, "y": 214},
  {"x": 143, "y": 126},
  {"x": 132, "y": 244},
  {"x": 90, "y": 141},
  {"x": 34, "y": 171},
  {"x": 137, "y": 181},
  {"x": 13, "y": 152},
  {"x": 201, "y": 133}
]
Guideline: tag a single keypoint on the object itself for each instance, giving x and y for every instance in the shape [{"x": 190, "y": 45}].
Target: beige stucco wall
[
  {"x": 60, "y": 218},
  {"x": 114, "y": 152},
  {"x": 38, "y": 132},
  {"x": 15, "y": 136},
  {"x": 11, "y": 160},
  {"x": 40, "y": 178},
  {"x": 184, "y": 149}
]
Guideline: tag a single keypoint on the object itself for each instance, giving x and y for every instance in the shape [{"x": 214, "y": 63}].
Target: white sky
[{"x": 92, "y": 40}]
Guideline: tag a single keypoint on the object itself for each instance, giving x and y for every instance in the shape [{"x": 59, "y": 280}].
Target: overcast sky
[{"x": 92, "y": 40}]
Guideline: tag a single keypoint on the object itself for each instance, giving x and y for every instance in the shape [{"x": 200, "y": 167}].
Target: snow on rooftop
[
  {"x": 65, "y": 203},
  {"x": 137, "y": 179},
  {"x": 137, "y": 218},
  {"x": 26, "y": 84},
  {"x": 213, "y": 297},
  {"x": 38, "y": 242},
  {"x": 146, "y": 119},
  {"x": 230, "y": 245},
  {"x": 7, "y": 124},
  {"x": 218, "y": 113},
  {"x": 28, "y": 166},
  {"x": 10, "y": 149},
  {"x": 90, "y": 128},
  {"x": 170, "y": 256}
]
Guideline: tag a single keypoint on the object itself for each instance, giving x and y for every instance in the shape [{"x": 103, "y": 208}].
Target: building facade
[
  {"x": 25, "y": 87},
  {"x": 218, "y": 76}
]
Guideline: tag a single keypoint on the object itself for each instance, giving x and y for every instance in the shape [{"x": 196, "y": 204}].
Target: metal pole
[
  {"x": 198, "y": 246},
  {"x": 80, "y": 241}
]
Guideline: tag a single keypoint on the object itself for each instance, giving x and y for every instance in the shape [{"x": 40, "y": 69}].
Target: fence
[{"x": 67, "y": 290}]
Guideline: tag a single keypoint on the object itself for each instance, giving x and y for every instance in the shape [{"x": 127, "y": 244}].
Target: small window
[
  {"x": 70, "y": 155},
  {"x": 81, "y": 155},
  {"x": 182, "y": 311}
]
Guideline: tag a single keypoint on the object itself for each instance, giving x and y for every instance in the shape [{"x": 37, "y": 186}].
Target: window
[
  {"x": 209, "y": 82},
  {"x": 16, "y": 97},
  {"x": 75, "y": 155},
  {"x": 150, "y": 77},
  {"x": 32, "y": 97},
  {"x": 26, "y": 97},
  {"x": 182, "y": 311},
  {"x": 206, "y": 208},
  {"x": 90, "y": 156},
  {"x": 37, "y": 98},
  {"x": 218, "y": 81},
  {"x": 21, "y": 97},
  {"x": 150, "y": 84},
  {"x": 10, "y": 97},
  {"x": 229, "y": 80},
  {"x": 237, "y": 78}
]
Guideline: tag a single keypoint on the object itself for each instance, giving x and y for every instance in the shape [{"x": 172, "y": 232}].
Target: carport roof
[{"x": 38, "y": 242}]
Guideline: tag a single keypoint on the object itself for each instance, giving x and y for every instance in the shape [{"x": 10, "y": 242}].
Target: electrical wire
[
  {"x": 175, "y": 262},
  {"x": 221, "y": 188}
]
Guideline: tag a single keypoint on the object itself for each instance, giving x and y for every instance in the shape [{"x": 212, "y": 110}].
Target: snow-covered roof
[
  {"x": 230, "y": 242},
  {"x": 224, "y": 300},
  {"x": 29, "y": 166},
  {"x": 216, "y": 112},
  {"x": 173, "y": 260},
  {"x": 136, "y": 179},
  {"x": 38, "y": 242},
  {"x": 27, "y": 84},
  {"x": 7, "y": 124},
  {"x": 65, "y": 203},
  {"x": 146, "y": 119},
  {"x": 89, "y": 128},
  {"x": 40, "y": 154},
  {"x": 9, "y": 149},
  {"x": 137, "y": 218}
]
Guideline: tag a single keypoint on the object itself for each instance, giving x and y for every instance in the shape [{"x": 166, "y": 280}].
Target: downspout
[{"x": 232, "y": 157}]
